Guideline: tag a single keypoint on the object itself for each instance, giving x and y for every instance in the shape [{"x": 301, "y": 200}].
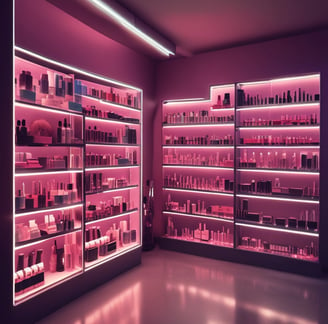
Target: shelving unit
[
  {"x": 198, "y": 173},
  {"x": 283, "y": 170},
  {"x": 273, "y": 169},
  {"x": 68, "y": 218}
]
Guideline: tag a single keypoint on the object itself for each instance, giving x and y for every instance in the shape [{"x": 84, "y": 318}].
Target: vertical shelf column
[{"x": 198, "y": 168}]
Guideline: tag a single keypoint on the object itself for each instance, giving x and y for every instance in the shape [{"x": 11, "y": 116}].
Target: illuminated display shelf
[
  {"x": 280, "y": 254},
  {"x": 297, "y": 118},
  {"x": 305, "y": 146},
  {"x": 110, "y": 120},
  {"x": 51, "y": 279},
  {"x": 191, "y": 166},
  {"x": 55, "y": 99},
  {"x": 211, "y": 217},
  {"x": 211, "y": 119},
  {"x": 109, "y": 103},
  {"x": 37, "y": 240},
  {"x": 47, "y": 109},
  {"x": 280, "y": 106},
  {"x": 119, "y": 251},
  {"x": 112, "y": 144},
  {"x": 267, "y": 197},
  {"x": 32, "y": 211},
  {"x": 211, "y": 146},
  {"x": 281, "y": 171},
  {"x": 201, "y": 191},
  {"x": 112, "y": 190},
  {"x": 187, "y": 125},
  {"x": 25, "y": 212},
  {"x": 287, "y": 127},
  {"x": 270, "y": 227},
  {"x": 128, "y": 212},
  {"x": 44, "y": 171},
  {"x": 97, "y": 168}
]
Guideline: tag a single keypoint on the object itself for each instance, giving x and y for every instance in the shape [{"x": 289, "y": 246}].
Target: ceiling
[{"x": 196, "y": 26}]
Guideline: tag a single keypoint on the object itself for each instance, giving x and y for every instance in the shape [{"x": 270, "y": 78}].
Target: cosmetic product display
[
  {"x": 124, "y": 135},
  {"x": 292, "y": 95},
  {"x": 196, "y": 117},
  {"x": 306, "y": 220},
  {"x": 282, "y": 160},
  {"x": 201, "y": 233},
  {"x": 58, "y": 145},
  {"x": 303, "y": 252},
  {"x": 198, "y": 140},
  {"x": 25, "y": 160},
  {"x": 48, "y": 194},
  {"x": 107, "y": 208},
  {"x": 271, "y": 166},
  {"x": 29, "y": 271},
  {"x": 198, "y": 207},
  {"x": 103, "y": 242},
  {"x": 286, "y": 119},
  {"x": 274, "y": 188},
  {"x": 49, "y": 88},
  {"x": 278, "y": 140},
  {"x": 111, "y": 159},
  {"x": 97, "y": 182},
  {"x": 40, "y": 132},
  {"x": 111, "y": 94},
  {"x": 218, "y": 183},
  {"x": 221, "y": 159},
  {"x": 93, "y": 111},
  {"x": 56, "y": 223}
]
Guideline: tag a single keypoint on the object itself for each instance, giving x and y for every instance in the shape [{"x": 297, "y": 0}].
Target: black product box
[
  {"x": 280, "y": 221},
  {"x": 254, "y": 217}
]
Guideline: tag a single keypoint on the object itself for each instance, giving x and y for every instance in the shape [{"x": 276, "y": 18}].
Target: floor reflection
[{"x": 175, "y": 288}]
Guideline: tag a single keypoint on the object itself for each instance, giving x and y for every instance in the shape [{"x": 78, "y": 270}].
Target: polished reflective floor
[{"x": 174, "y": 288}]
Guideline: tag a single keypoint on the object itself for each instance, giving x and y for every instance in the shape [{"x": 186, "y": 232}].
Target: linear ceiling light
[{"x": 130, "y": 27}]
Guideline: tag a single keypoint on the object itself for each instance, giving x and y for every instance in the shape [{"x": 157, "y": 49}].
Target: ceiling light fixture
[{"x": 109, "y": 11}]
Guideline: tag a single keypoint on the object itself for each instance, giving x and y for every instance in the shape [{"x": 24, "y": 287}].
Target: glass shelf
[
  {"x": 51, "y": 279},
  {"x": 277, "y": 228},
  {"x": 88, "y": 222},
  {"x": 112, "y": 144},
  {"x": 110, "y": 120},
  {"x": 31, "y": 105},
  {"x": 112, "y": 190},
  {"x": 31, "y": 242},
  {"x": 279, "y": 198},
  {"x": 283, "y": 106},
  {"x": 41, "y": 171},
  {"x": 212, "y": 192},
  {"x": 206, "y": 216},
  {"x": 283, "y": 171},
  {"x": 109, "y": 167},
  {"x": 198, "y": 125},
  {"x": 192, "y": 166},
  {"x": 24, "y": 212}
]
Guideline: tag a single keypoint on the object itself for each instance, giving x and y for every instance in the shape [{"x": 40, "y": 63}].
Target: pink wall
[
  {"x": 47, "y": 30},
  {"x": 191, "y": 77}
]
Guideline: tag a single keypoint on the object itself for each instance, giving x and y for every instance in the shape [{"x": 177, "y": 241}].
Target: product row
[
  {"x": 280, "y": 160},
  {"x": 217, "y": 183},
  {"x": 40, "y": 227},
  {"x": 198, "y": 207},
  {"x": 288, "y": 96},
  {"x": 119, "y": 136},
  {"x": 92, "y": 111},
  {"x": 221, "y": 236},
  {"x": 111, "y": 95},
  {"x": 41, "y": 194},
  {"x": 102, "y": 243},
  {"x": 201, "y": 117},
  {"x": 107, "y": 208},
  {"x": 285, "y": 120},
  {"x": 198, "y": 140},
  {"x": 221, "y": 159}
]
